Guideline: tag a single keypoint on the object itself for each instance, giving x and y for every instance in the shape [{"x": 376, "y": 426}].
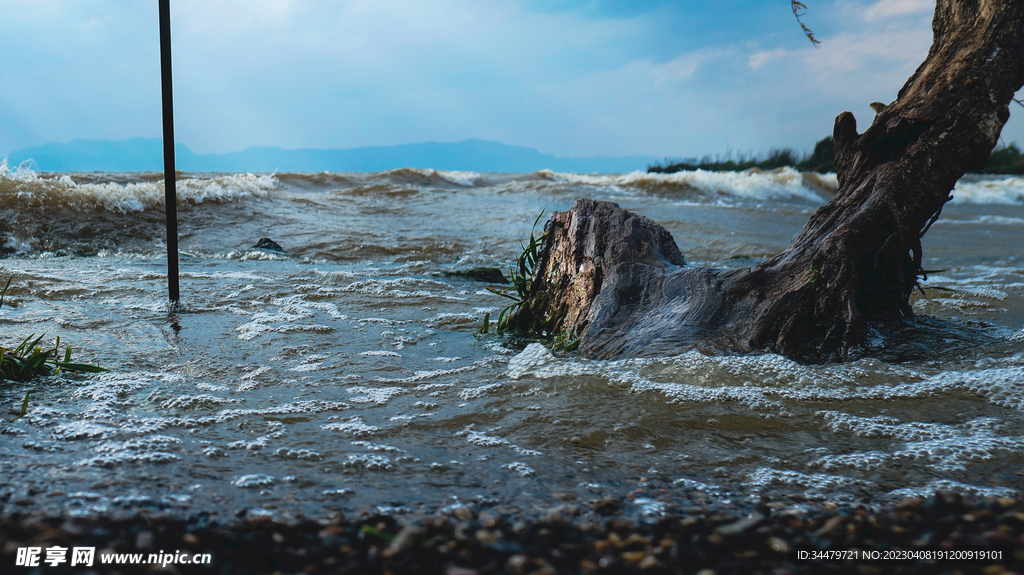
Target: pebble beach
[{"x": 699, "y": 536}]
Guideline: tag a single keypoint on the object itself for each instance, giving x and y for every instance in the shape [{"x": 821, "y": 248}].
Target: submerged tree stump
[{"x": 618, "y": 281}]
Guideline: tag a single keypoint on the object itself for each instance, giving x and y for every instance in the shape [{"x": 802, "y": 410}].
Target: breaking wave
[
  {"x": 714, "y": 186},
  {"x": 973, "y": 189},
  {"x": 24, "y": 188},
  {"x": 402, "y": 177}
]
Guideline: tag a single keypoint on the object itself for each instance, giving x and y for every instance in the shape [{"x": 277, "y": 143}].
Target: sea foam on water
[{"x": 350, "y": 370}]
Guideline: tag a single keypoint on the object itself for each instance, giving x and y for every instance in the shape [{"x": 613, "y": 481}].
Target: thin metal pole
[{"x": 170, "y": 195}]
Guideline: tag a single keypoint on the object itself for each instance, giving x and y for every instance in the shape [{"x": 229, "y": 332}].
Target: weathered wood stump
[{"x": 618, "y": 281}]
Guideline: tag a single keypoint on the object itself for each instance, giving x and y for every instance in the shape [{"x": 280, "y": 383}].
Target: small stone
[
  {"x": 912, "y": 503},
  {"x": 612, "y": 541},
  {"x": 742, "y": 525},
  {"x": 648, "y": 562},
  {"x": 268, "y": 244},
  {"x": 778, "y": 545},
  {"x": 486, "y": 537},
  {"x": 560, "y": 512},
  {"x": 833, "y": 527},
  {"x": 464, "y": 513},
  {"x": 481, "y": 273},
  {"x": 950, "y": 498},
  {"x": 633, "y": 556},
  {"x": 635, "y": 540},
  {"x": 405, "y": 539},
  {"x": 606, "y": 506},
  {"x": 545, "y": 568}
]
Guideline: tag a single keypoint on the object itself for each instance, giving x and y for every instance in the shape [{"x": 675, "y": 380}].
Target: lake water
[{"x": 347, "y": 374}]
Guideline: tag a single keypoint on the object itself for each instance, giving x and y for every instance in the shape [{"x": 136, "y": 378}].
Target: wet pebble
[{"x": 568, "y": 538}]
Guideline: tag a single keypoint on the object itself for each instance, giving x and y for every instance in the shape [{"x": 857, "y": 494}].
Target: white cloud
[
  {"x": 320, "y": 73},
  {"x": 680, "y": 68},
  {"x": 884, "y": 9},
  {"x": 762, "y": 57}
]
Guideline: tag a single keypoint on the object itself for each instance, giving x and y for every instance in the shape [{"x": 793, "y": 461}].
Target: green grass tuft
[
  {"x": 522, "y": 283},
  {"x": 522, "y": 278},
  {"x": 30, "y": 360}
]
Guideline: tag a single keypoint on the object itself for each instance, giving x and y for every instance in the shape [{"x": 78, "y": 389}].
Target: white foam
[
  {"x": 277, "y": 431},
  {"x": 453, "y": 319},
  {"x": 1008, "y": 190},
  {"x": 402, "y": 288},
  {"x": 254, "y": 480},
  {"x": 945, "y": 447},
  {"x": 293, "y": 309},
  {"x": 150, "y": 449},
  {"x": 929, "y": 490},
  {"x": 778, "y": 379},
  {"x": 531, "y": 361},
  {"x": 377, "y": 395},
  {"x": 354, "y": 426},
  {"x": 483, "y": 440},
  {"x": 427, "y": 374},
  {"x": 194, "y": 401},
  {"x": 306, "y": 454},
  {"x": 460, "y": 178},
  {"x": 766, "y": 477},
  {"x": 749, "y": 184},
  {"x": 148, "y": 425},
  {"x": 651, "y": 510},
  {"x": 306, "y": 366},
  {"x": 986, "y": 220},
  {"x": 109, "y": 390},
  {"x": 62, "y": 190},
  {"x": 475, "y": 392},
  {"x": 338, "y": 492},
  {"x": 369, "y": 461},
  {"x": 81, "y": 430},
  {"x": 538, "y": 362},
  {"x": 690, "y": 484},
  {"x": 520, "y": 468}
]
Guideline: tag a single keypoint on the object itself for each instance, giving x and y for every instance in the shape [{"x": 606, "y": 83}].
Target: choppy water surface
[{"x": 347, "y": 374}]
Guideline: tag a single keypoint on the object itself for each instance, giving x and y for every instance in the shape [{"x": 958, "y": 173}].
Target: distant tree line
[{"x": 1005, "y": 160}]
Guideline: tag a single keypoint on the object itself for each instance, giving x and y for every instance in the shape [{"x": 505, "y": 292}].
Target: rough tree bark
[{"x": 618, "y": 281}]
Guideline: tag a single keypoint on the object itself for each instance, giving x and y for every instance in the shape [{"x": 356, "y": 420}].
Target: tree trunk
[{"x": 618, "y": 281}]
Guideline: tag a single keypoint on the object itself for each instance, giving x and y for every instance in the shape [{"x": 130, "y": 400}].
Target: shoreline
[{"x": 592, "y": 538}]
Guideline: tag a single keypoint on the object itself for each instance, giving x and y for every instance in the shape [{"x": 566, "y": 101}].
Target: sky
[{"x": 669, "y": 79}]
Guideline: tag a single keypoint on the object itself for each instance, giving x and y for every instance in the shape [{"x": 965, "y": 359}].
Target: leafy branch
[{"x": 799, "y": 9}]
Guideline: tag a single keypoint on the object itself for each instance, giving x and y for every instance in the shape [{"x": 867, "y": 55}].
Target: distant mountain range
[{"x": 146, "y": 155}]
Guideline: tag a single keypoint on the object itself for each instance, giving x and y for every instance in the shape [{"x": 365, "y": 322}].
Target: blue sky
[{"x": 567, "y": 77}]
